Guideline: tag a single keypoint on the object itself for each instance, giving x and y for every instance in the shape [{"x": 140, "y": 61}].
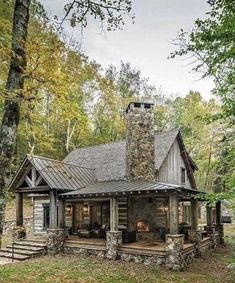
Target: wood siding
[
  {"x": 170, "y": 171},
  {"x": 38, "y": 203}
]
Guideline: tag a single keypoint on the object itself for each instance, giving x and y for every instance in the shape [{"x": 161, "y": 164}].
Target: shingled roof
[{"x": 109, "y": 160}]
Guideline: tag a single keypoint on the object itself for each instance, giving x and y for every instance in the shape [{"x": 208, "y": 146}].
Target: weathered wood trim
[
  {"x": 218, "y": 212},
  {"x": 174, "y": 214},
  {"x": 208, "y": 215},
  {"x": 194, "y": 214},
  {"x": 61, "y": 214},
  {"x": 113, "y": 214},
  {"x": 19, "y": 209},
  {"x": 53, "y": 209}
]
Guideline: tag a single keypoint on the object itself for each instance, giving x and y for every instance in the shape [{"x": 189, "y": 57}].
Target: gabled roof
[
  {"x": 109, "y": 160},
  {"x": 58, "y": 175}
]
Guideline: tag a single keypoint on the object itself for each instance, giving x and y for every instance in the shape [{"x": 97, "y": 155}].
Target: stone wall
[
  {"x": 85, "y": 251},
  {"x": 148, "y": 210},
  {"x": 141, "y": 258},
  {"x": 140, "y": 148},
  {"x": 10, "y": 224}
]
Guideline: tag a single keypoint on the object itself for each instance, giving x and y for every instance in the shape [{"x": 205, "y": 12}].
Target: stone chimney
[{"x": 140, "y": 142}]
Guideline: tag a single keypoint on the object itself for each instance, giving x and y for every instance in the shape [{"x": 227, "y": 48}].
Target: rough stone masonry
[{"x": 140, "y": 142}]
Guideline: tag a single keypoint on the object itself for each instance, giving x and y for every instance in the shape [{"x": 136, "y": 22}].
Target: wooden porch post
[
  {"x": 61, "y": 214},
  {"x": 113, "y": 214},
  {"x": 174, "y": 214},
  {"x": 208, "y": 215},
  {"x": 218, "y": 212},
  {"x": 53, "y": 209},
  {"x": 194, "y": 214},
  {"x": 19, "y": 209}
]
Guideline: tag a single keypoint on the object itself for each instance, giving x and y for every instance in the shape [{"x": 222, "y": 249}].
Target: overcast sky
[{"x": 147, "y": 43}]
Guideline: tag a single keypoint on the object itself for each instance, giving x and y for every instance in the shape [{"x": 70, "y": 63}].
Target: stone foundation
[
  {"x": 113, "y": 242},
  {"x": 85, "y": 251},
  {"x": 189, "y": 256},
  {"x": 196, "y": 237},
  {"x": 144, "y": 259},
  {"x": 174, "y": 252},
  {"x": 55, "y": 240}
]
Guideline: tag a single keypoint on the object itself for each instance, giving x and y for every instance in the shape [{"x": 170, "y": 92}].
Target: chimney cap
[{"x": 147, "y": 105}]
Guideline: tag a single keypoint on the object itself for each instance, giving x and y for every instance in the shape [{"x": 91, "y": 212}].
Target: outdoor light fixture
[
  {"x": 85, "y": 208},
  {"x": 68, "y": 209}
]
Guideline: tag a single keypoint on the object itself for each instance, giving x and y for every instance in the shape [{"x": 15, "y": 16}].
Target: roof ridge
[
  {"x": 59, "y": 161},
  {"x": 116, "y": 142}
]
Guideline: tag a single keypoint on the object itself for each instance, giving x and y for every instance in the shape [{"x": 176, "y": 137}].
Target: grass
[{"x": 211, "y": 268}]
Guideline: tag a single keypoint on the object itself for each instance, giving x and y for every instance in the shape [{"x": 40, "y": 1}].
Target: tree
[
  {"x": 14, "y": 95},
  {"x": 110, "y": 11},
  {"x": 211, "y": 47}
]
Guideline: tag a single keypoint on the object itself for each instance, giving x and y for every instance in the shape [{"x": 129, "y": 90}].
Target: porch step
[
  {"x": 31, "y": 243},
  {"x": 20, "y": 251},
  {"x": 15, "y": 256},
  {"x": 28, "y": 248},
  {"x": 24, "y": 249}
]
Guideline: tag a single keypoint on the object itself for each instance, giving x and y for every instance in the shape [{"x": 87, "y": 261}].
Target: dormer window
[{"x": 182, "y": 176}]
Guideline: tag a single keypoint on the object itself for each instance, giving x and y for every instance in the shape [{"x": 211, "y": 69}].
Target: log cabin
[{"x": 122, "y": 200}]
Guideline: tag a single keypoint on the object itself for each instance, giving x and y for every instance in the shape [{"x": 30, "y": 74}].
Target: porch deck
[{"x": 138, "y": 247}]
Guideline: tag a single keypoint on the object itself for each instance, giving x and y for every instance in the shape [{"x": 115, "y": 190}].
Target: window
[
  {"x": 182, "y": 175},
  {"x": 46, "y": 216}
]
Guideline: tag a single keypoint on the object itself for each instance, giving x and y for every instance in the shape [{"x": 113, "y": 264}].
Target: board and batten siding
[
  {"x": 170, "y": 171},
  {"x": 38, "y": 203}
]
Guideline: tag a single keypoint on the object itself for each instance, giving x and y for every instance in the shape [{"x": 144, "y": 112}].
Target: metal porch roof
[
  {"x": 124, "y": 187},
  {"x": 57, "y": 174}
]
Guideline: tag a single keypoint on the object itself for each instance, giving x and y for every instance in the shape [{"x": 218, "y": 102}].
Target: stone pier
[
  {"x": 55, "y": 240},
  {"x": 174, "y": 250},
  {"x": 113, "y": 242},
  {"x": 196, "y": 237}
]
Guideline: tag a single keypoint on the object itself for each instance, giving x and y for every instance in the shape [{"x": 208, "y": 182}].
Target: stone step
[
  {"x": 28, "y": 248},
  {"x": 15, "y": 256},
  {"x": 22, "y": 252},
  {"x": 30, "y": 243}
]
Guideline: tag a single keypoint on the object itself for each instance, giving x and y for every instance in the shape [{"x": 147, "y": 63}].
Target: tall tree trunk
[{"x": 14, "y": 87}]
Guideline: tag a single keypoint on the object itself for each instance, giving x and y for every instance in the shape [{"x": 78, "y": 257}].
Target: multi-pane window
[{"x": 182, "y": 175}]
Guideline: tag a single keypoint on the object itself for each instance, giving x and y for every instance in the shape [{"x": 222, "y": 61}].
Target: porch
[{"x": 129, "y": 220}]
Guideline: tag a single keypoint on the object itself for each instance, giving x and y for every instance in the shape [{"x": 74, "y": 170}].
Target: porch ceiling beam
[
  {"x": 28, "y": 181},
  {"x": 33, "y": 190}
]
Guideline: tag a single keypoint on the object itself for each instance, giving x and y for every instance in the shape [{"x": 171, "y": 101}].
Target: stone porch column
[
  {"x": 113, "y": 237},
  {"x": 113, "y": 242},
  {"x": 174, "y": 250},
  {"x": 55, "y": 241}
]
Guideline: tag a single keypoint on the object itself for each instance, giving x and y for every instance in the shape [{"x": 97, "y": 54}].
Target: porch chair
[{"x": 85, "y": 231}]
